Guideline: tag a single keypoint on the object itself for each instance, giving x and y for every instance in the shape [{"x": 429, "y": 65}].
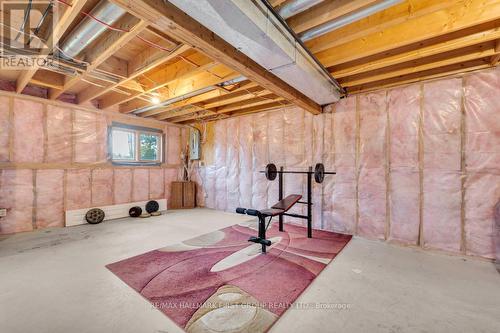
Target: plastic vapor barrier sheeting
[
  {"x": 482, "y": 157},
  {"x": 442, "y": 164},
  {"x": 416, "y": 165},
  {"x": 54, "y": 158},
  {"x": 404, "y": 122}
]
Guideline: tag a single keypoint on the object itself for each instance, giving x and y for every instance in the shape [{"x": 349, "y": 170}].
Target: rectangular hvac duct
[{"x": 253, "y": 29}]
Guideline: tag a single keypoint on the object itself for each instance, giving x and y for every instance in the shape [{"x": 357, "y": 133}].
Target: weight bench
[{"x": 277, "y": 209}]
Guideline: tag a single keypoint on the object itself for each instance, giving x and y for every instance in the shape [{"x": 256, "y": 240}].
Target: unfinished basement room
[{"x": 247, "y": 166}]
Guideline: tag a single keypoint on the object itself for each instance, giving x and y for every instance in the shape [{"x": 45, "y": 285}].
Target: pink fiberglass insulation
[
  {"x": 404, "y": 119},
  {"x": 442, "y": 162},
  {"x": 4, "y": 128},
  {"x": 482, "y": 193},
  {"x": 220, "y": 165},
  {"x": 293, "y": 146},
  {"x": 233, "y": 165},
  {"x": 317, "y": 157},
  {"x": 344, "y": 191},
  {"x": 482, "y": 119},
  {"x": 482, "y": 152},
  {"x": 329, "y": 182},
  {"x": 209, "y": 186},
  {"x": 260, "y": 153},
  {"x": 78, "y": 189},
  {"x": 101, "y": 138},
  {"x": 156, "y": 184},
  {"x": 140, "y": 185},
  {"x": 49, "y": 198},
  {"x": 28, "y": 132},
  {"x": 102, "y": 187},
  {"x": 122, "y": 184},
  {"x": 276, "y": 135},
  {"x": 184, "y": 137},
  {"x": 85, "y": 137},
  {"x": 171, "y": 175},
  {"x": 16, "y": 194},
  {"x": 198, "y": 177},
  {"x": 173, "y": 145},
  {"x": 372, "y": 163},
  {"x": 59, "y": 143},
  {"x": 245, "y": 137}
]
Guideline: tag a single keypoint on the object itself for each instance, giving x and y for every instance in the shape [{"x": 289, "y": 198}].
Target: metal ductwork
[
  {"x": 295, "y": 7},
  {"x": 89, "y": 29},
  {"x": 346, "y": 19},
  {"x": 254, "y": 29}
]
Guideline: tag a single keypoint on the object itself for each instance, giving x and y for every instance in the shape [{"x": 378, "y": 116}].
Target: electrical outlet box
[{"x": 3, "y": 212}]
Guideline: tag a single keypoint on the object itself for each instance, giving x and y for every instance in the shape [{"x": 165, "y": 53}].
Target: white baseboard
[{"x": 77, "y": 216}]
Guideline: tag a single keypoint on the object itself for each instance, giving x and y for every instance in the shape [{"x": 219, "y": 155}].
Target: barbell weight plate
[
  {"x": 152, "y": 206},
  {"x": 94, "y": 216},
  {"x": 135, "y": 211},
  {"x": 271, "y": 171},
  {"x": 319, "y": 173}
]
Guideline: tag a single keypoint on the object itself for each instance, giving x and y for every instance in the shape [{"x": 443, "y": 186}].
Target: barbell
[{"x": 319, "y": 172}]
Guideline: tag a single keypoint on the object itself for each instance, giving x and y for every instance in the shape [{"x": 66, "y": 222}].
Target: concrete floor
[{"x": 55, "y": 281}]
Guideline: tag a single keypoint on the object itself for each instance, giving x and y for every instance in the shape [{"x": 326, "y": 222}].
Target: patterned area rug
[{"x": 219, "y": 282}]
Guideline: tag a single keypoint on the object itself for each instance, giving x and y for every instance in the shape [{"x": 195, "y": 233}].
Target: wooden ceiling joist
[
  {"x": 421, "y": 76},
  {"x": 459, "y": 39},
  {"x": 104, "y": 48},
  {"x": 166, "y": 16},
  {"x": 164, "y": 77},
  {"x": 136, "y": 69},
  {"x": 444, "y": 59},
  {"x": 460, "y": 16},
  {"x": 184, "y": 85}
]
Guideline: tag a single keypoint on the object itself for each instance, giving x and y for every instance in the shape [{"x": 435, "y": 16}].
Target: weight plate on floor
[
  {"x": 95, "y": 216},
  {"x": 135, "y": 211},
  {"x": 271, "y": 171},
  {"x": 319, "y": 173},
  {"x": 152, "y": 206}
]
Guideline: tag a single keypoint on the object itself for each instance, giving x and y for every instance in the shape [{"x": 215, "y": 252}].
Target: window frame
[{"x": 137, "y": 131}]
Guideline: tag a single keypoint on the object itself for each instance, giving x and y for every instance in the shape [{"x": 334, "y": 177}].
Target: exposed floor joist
[{"x": 166, "y": 16}]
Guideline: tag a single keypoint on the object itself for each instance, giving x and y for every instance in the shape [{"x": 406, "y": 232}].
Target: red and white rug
[{"x": 219, "y": 282}]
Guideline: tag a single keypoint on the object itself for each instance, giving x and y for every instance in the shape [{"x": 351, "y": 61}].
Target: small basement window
[{"x": 135, "y": 145}]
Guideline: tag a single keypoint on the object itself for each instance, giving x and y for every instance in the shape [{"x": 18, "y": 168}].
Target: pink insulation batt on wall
[
  {"x": 102, "y": 187},
  {"x": 372, "y": 220},
  {"x": 59, "y": 143},
  {"x": 220, "y": 165},
  {"x": 482, "y": 151},
  {"x": 49, "y": 198},
  {"x": 344, "y": 192},
  {"x": 141, "y": 185},
  {"x": 260, "y": 154},
  {"x": 404, "y": 124},
  {"x": 442, "y": 164},
  {"x": 122, "y": 183},
  {"x": 5, "y": 127},
  {"x": 28, "y": 132},
  {"x": 233, "y": 164},
  {"x": 16, "y": 194},
  {"x": 78, "y": 189},
  {"x": 295, "y": 157}
]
